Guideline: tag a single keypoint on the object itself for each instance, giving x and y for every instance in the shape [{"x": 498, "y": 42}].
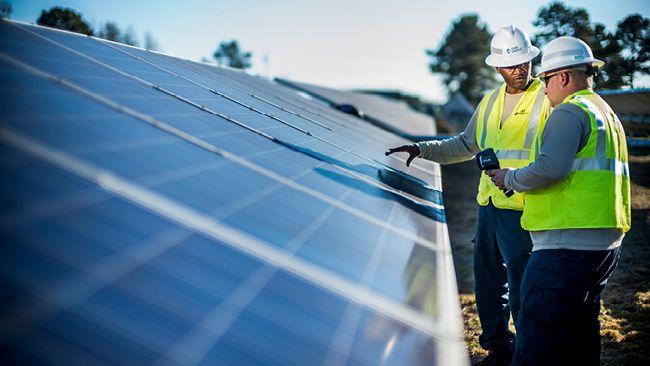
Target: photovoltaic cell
[{"x": 165, "y": 211}]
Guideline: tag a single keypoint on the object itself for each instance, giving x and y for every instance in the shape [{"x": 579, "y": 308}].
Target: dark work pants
[
  {"x": 501, "y": 251},
  {"x": 558, "y": 323}
]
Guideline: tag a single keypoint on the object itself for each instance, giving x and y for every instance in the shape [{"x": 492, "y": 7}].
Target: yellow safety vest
[
  {"x": 512, "y": 140},
  {"x": 596, "y": 193}
]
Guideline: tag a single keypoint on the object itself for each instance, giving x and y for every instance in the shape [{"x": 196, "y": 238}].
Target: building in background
[{"x": 632, "y": 106}]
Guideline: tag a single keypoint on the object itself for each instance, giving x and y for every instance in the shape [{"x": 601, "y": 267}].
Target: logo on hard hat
[{"x": 513, "y": 49}]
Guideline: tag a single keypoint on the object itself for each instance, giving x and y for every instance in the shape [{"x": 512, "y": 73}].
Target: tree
[
  {"x": 557, "y": 19},
  {"x": 5, "y": 9},
  {"x": 633, "y": 33},
  {"x": 112, "y": 32},
  {"x": 606, "y": 47},
  {"x": 129, "y": 37},
  {"x": 230, "y": 54},
  {"x": 150, "y": 42},
  {"x": 66, "y": 19},
  {"x": 461, "y": 57}
]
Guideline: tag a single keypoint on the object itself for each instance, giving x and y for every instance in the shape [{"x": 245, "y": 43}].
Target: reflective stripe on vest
[
  {"x": 599, "y": 161},
  {"x": 486, "y": 116},
  {"x": 617, "y": 166},
  {"x": 513, "y": 154}
]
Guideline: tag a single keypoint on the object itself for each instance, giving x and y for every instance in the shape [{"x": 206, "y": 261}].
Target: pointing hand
[{"x": 412, "y": 150}]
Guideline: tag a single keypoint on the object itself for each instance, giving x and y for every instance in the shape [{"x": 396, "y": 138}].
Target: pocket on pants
[{"x": 548, "y": 299}]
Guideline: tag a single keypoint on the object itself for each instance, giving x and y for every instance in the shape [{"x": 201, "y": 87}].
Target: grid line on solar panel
[
  {"x": 299, "y": 237},
  {"x": 201, "y": 107},
  {"x": 352, "y": 314},
  {"x": 148, "y": 142},
  {"x": 145, "y": 82},
  {"x": 176, "y": 74},
  {"x": 252, "y": 199},
  {"x": 360, "y": 134},
  {"x": 290, "y": 111},
  {"x": 212, "y": 148},
  {"x": 62, "y": 205},
  {"x": 193, "y": 347},
  {"x": 212, "y": 90},
  {"x": 245, "y": 105},
  {"x": 319, "y": 113},
  {"x": 256, "y": 248},
  {"x": 91, "y": 277},
  {"x": 245, "y": 201}
]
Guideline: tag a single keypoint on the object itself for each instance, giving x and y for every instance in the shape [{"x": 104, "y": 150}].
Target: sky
[{"x": 337, "y": 43}]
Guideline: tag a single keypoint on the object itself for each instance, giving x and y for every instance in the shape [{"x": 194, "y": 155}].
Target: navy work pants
[
  {"x": 501, "y": 251},
  {"x": 558, "y": 323}
]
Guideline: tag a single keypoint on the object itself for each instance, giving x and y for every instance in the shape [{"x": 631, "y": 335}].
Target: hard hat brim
[
  {"x": 596, "y": 63},
  {"x": 511, "y": 60}
]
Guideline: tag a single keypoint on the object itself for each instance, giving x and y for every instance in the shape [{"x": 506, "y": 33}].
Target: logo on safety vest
[{"x": 521, "y": 112}]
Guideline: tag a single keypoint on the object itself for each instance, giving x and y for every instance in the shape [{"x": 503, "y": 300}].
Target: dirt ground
[{"x": 625, "y": 315}]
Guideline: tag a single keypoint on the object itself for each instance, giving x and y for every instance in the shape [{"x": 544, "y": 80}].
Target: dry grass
[{"x": 625, "y": 315}]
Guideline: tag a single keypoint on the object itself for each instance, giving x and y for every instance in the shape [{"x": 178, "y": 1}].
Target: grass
[{"x": 625, "y": 314}]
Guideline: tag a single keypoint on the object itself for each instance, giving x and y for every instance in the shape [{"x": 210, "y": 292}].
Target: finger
[
  {"x": 409, "y": 160},
  {"x": 393, "y": 150}
]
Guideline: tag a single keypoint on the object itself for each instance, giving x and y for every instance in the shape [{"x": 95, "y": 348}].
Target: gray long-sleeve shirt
[
  {"x": 566, "y": 132},
  {"x": 459, "y": 148},
  {"x": 463, "y": 146}
]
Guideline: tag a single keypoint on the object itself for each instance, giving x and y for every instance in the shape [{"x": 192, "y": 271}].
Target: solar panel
[
  {"x": 391, "y": 115},
  {"x": 157, "y": 210}
]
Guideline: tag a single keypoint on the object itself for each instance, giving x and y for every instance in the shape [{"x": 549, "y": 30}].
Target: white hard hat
[
  {"x": 567, "y": 51},
  {"x": 510, "y": 46}
]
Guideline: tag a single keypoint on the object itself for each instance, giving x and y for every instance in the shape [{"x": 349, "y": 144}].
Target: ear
[{"x": 565, "y": 78}]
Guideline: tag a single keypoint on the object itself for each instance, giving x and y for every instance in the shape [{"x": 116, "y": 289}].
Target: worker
[
  {"x": 506, "y": 120},
  {"x": 577, "y": 209}
]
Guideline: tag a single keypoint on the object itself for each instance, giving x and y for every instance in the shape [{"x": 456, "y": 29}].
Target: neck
[{"x": 574, "y": 88}]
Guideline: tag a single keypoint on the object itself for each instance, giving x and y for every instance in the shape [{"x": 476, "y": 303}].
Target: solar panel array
[
  {"x": 157, "y": 210},
  {"x": 392, "y": 115}
]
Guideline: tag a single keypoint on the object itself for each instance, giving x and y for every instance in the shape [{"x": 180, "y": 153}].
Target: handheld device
[{"x": 487, "y": 160}]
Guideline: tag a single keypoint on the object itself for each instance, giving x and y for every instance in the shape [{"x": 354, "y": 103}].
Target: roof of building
[{"x": 631, "y": 105}]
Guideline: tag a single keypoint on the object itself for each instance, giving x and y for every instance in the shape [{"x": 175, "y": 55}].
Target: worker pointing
[{"x": 505, "y": 120}]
